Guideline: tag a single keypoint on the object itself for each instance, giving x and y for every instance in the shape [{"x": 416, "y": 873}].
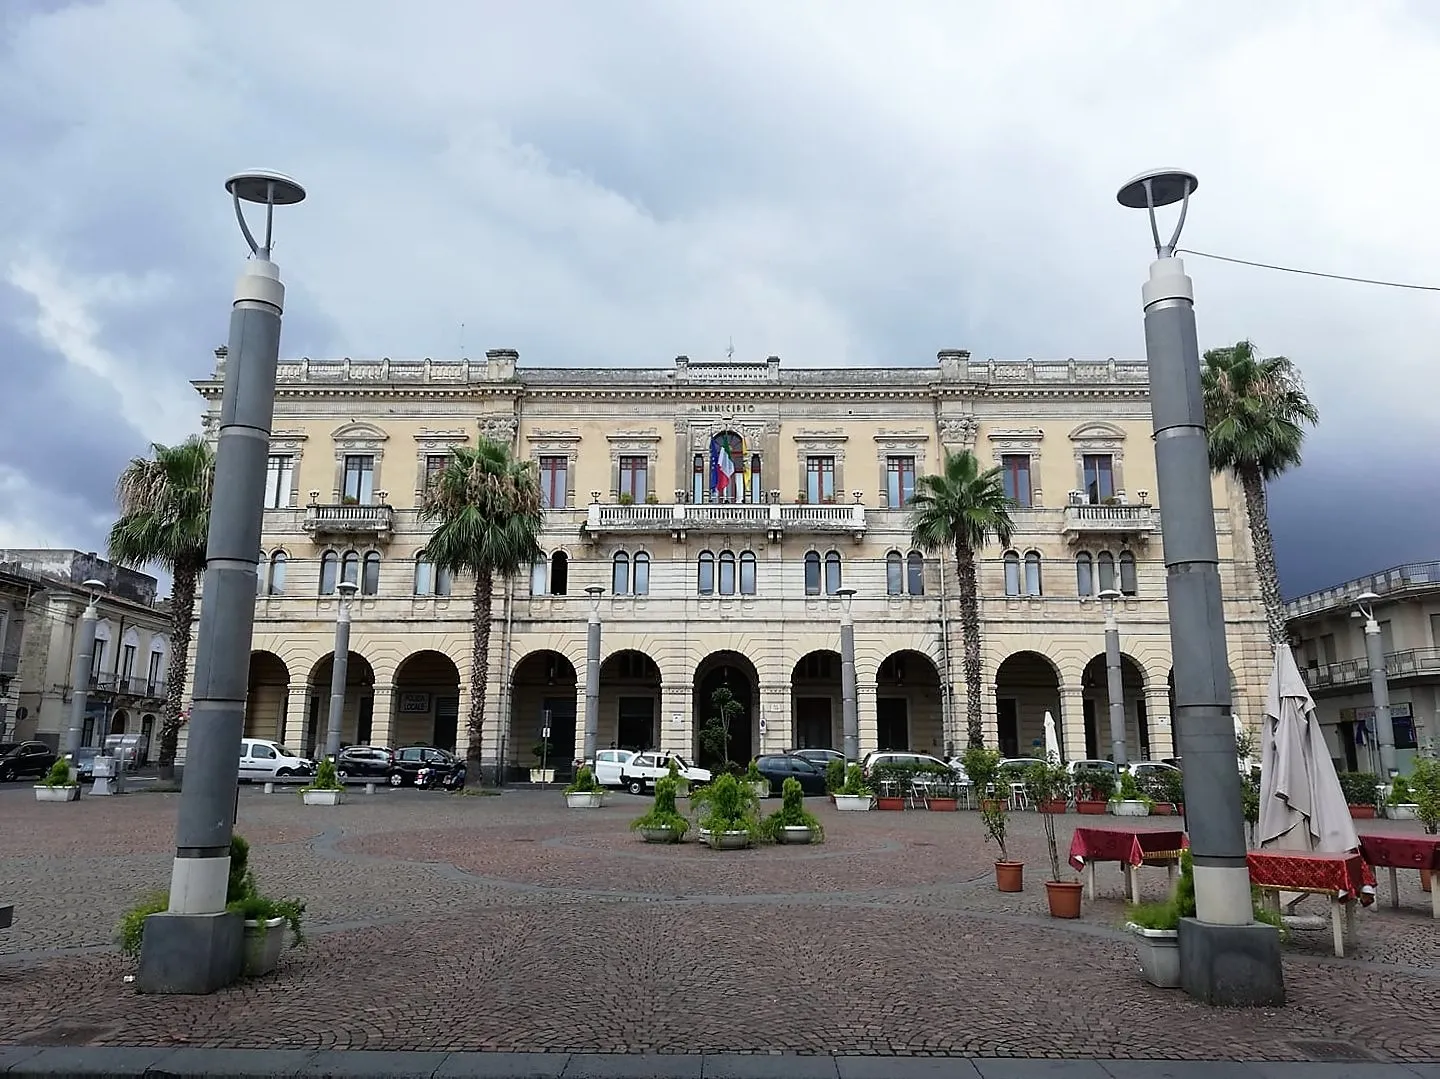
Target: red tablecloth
[
  {"x": 1401, "y": 851},
  {"x": 1130, "y": 846},
  {"x": 1345, "y": 876}
]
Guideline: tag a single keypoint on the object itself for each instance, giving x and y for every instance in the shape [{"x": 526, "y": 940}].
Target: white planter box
[
  {"x": 542, "y": 775},
  {"x": 795, "y": 833},
  {"x": 1403, "y": 811},
  {"x": 593, "y": 800},
  {"x": 1130, "y": 809},
  {"x": 57, "y": 794},
  {"x": 660, "y": 835},
  {"x": 762, "y": 788},
  {"x": 1159, "y": 955},
  {"x": 852, "y": 803},
  {"x": 728, "y": 840},
  {"x": 323, "y": 798},
  {"x": 262, "y": 946}
]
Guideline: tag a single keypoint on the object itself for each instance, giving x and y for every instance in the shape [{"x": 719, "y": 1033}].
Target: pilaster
[
  {"x": 1157, "y": 716},
  {"x": 776, "y": 711},
  {"x": 290, "y": 728},
  {"x": 677, "y": 720},
  {"x": 867, "y": 717},
  {"x": 382, "y": 719},
  {"x": 1072, "y": 723}
]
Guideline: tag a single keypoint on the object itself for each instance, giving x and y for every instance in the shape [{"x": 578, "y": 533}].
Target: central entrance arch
[{"x": 733, "y": 672}]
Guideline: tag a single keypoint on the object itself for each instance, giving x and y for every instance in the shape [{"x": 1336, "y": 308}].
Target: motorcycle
[{"x": 430, "y": 778}]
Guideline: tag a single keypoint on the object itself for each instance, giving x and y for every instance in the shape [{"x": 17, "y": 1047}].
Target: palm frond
[
  {"x": 964, "y": 506},
  {"x": 487, "y": 512},
  {"x": 164, "y": 504},
  {"x": 1256, "y": 410}
]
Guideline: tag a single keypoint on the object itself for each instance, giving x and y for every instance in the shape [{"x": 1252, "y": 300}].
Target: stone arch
[
  {"x": 816, "y": 694},
  {"x": 1095, "y": 698},
  {"x": 629, "y": 701},
  {"x": 733, "y": 670},
  {"x": 1093, "y": 429},
  {"x": 1027, "y": 685},
  {"x": 268, "y": 695},
  {"x": 871, "y": 652},
  {"x": 426, "y": 701},
  {"x": 543, "y": 688},
  {"x": 148, "y": 723},
  {"x": 119, "y": 721},
  {"x": 356, "y": 715},
  {"x": 359, "y": 429},
  {"x": 909, "y": 703}
]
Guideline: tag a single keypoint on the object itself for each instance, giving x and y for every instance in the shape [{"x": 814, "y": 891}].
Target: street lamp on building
[
  {"x": 340, "y": 667},
  {"x": 592, "y": 674},
  {"x": 849, "y": 714},
  {"x": 196, "y": 946},
  {"x": 1225, "y": 956},
  {"x": 82, "y": 666},
  {"x": 1114, "y": 677},
  {"x": 1379, "y": 682}
]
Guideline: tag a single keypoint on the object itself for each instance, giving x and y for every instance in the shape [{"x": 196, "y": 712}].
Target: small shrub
[
  {"x": 1095, "y": 784},
  {"x": 982, "y": 766},
  {"x": 1400, "y": 793},
  {"x": 792, "y": 813},
  {"x": 584, "y": 782},
  {"x": 728, "y": 805},
  {"x": 1049, "y": 783},
  {"x": 1360, "y": 788},
  {"x": 855, "y": 781},
  {"x": 663, "y": 813},
  {"x": 325, "y": 778},
  {"x": 752, "y": 772},
  {"x": 1250, "y": 798},
  {"x": 995, "y": 818},
  {"x": 834, "y": 775},
  {"x": 59, "y": 775},
  {"x": 1425, "y": 781}
]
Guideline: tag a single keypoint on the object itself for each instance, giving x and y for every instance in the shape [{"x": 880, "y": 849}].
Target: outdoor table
[
  {"x": 1404, "y": 852},
  {"x": 1131, "y": 847},
  {"x": 1345, "y": 878}
]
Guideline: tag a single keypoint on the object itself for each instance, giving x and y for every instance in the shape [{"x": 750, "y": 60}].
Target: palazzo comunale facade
[{"x": 709, "y": 582}]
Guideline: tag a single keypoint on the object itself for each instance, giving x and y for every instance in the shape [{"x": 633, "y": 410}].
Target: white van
[{"x": 261, "y": 760}]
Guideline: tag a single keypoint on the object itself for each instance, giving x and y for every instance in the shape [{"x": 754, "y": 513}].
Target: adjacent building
[
  {"x": 1331, "y": 652},
  {"x": 41, "y": 600},
  {"x": 721, "y": 509}
]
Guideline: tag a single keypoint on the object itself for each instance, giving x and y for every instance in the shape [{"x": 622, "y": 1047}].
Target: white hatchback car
[
  {"x": 609, "y": 766},
  {"x": 262, "y": 760}
]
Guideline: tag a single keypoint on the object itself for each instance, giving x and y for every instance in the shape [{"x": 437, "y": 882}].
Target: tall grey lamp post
[
  {"x": 849, "y": 713},
  {"x": 1114, "y": 678},
  {"x": 1226, "y": 957},
  {"x": 340, "y": 668},
  {"x": 196, "y": 946},
  {"x": 592, "y": 673},
  {"x": 80, "y": 667},
  {"x": 1379, "y": 683}
]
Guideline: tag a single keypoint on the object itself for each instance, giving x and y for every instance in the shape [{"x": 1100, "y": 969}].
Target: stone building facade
[{"x": 711, "y": 582}]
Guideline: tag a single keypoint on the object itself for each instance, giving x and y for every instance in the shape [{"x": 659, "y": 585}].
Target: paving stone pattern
[{"x": 455, "y": 923}]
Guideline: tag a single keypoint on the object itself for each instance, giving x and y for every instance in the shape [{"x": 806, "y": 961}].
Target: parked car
[
  {"x": 874, "y": 760},
  {"x": 1092, "y": 766},
  {"x": 640, "y": 772},
  {"x": 818, "y": 757},
  {"x": 608, "y": 766},
  {"x": 1019, "y": 764},
  {"x": 409, "y": 760},
  {"x": 364, "y": 762},
  {"x": 778, "y": 767},
  {"x": 1147, "y": 769},
  {"x": 262, "y": 760},
  {"x": 25, "y": 759}
]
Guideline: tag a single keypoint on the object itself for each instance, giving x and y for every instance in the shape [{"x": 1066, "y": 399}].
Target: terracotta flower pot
[
  {"x": 889, "y": 803},
  {"x": 1362, "y": 812},
  {"x": 1057, "y": 806},
  {"x": 1091, "y": 808},
  {"x": 1010, "y": 876},
  {"x": 1064, "y": 897},
  {"x": 944, "y": 805},
  {"x": 1425, "y": 879},
  {"x": 1162, "y": 809},
  {"x": 991, "y": 803}
]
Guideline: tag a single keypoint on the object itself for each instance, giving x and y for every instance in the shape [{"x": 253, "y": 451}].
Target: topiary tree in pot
[
  {"x": 663, "y": 824},
  {"x": 792, "y": 822},
  {"x": 729, "y": 813},
  {"x": 855, "y": 795},
  {"x": 1049, "y": 783},
  {"x": 834, "y": 777},
  {"x": 1009, "y": 875}
]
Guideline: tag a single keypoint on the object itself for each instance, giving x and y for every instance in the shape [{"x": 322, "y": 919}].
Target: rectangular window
[
  {"x": 156, "y": 658},
  {"x": 819, "y": 480},
  {"x": 358, "y": 487},
  {"x": 127, "y": 661},
  {"x": 434, "y": 465},
  {"x": 757, "y": 485},
  {"x": 633, "y": 476},
  {"x": 697, "y": 482},
  {"x": 97, "y": 659},
  {"x": 899, "y": 481},
  {"x": 1327, "y": 648},
  {"x": 1015, "y": 475},
  {"x": 554, "y": 482},
  {"x": 1387, "y": 637},
  {"x": 1099, "y": 472},
  {"x": 279, "y": 477}
]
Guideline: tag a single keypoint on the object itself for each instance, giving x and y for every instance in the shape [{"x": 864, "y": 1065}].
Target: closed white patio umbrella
[{"x": 1052, "y": 740}]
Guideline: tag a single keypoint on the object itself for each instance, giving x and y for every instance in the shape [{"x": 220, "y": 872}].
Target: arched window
[
  {"x": 620, "y": 574},
  {"x": 540, "y": 576},
  {"x": 1032, "y": 574},
  {"x": 1012, "y": 573},
  {"x": 424, "y": 576},
  {"x": 350, "y": 567},
  {"x": 329, "y": 570},
  {"x": 277, "y": 573},
  {"x": 1128, "y": 582},
  {"x": 894, "y": 574},
  {"x": 641, "y": 579},
  {"x": 1105, "y": 570},
  {"x": 1084, "y": 574},
  {"x": 559, "y": 573},
  {"x": 747, "y": 573},
  {"x": 727, "y": 573},
  {"x": 832, "y": 572},
  {"x": 705, "y": 574},
  {"x": 812, "y": 573},
  {"x": 370, "y": 578},
  {"x": 916, "y": 573}
]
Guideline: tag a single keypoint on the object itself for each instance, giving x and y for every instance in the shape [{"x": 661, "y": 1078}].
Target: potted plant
[
  {"x": 982, "y": 766},
  {"x": 834, "y": 777},
  {"x": 1250, "y": 804},
  {"x": 729, "y": 811},
  {"x": 584, "y": 793},
  {"x": 663, "y": 824},
  {"x": 1166, "y": 791},
  {"x": 1009, "y": 875},
  {"x": 1157, "y": 929},
  {"x": 1049, "y": 783},
  {"x": 1094, "y": 788},
  {"x": 759, "y": 783},
  {"x": 1130, "y": 800},
  {"x": 942, "y": 794},
  {"x": 626, "y": 499},
  {"x": 1401, "y": 804},
  {"x": 327, "y": 789},
  {"x": 1362, "y": 793},
  {"x": 59, "y": 785},
  {"x": 544, "y": 753},
  {"x": 792, "y": 822},
  {"x": 349, "y": 500},
  {"x": 855, "y": 794},
  {"x": 1425, "y": 782},
  {"x": 652, "y": 499},
  {"x": 897, "y": 777}
]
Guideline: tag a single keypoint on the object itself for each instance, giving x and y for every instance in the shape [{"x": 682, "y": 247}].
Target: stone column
[
  {"x": 777, "y": 708},
  {"x": 1157, "y": 713},
  {"x": 1072, "y": 723},
  {"x": 677, "y": 699},
  {"x": 294, "y": 718},
  {"x": 869, "y": 719},
  {"x": 382, "y": 715}
]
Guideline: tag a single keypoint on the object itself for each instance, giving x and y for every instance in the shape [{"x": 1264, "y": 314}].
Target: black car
[
  {"x": 779, "y": 767},
  {"x": 821, "y": 758},
  {"x": 411, "y": 759},
  {"x": 25, "y": 759},
  {"x": 365, "y": 762}
]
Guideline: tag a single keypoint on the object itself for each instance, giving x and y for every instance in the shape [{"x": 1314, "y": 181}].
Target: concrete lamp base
[
  {"x": 1234, "y": 966},
  {"x": 190, "y": 953}
]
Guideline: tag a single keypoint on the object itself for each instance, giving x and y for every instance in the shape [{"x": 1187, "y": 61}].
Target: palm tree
[
  {"x": 164, "y": 504},
  {"x": 488, "y": 514},
  {"x": 963, "y": 508},
  {"x": 1256, "y": 409}
]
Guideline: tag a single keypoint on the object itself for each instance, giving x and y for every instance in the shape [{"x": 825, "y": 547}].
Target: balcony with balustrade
[
  {"x": 1408, "y": 581},
  {"x": 681, "y": 518},
  {"x": 130, "y": 689},
  {"x": 1404, "y": 666},
  {"x": 348, "y": 520},
  {"x": 1114, "y": 518}
]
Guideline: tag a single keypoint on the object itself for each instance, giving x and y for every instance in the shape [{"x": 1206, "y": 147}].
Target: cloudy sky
[{"x": 610, "y": 183}]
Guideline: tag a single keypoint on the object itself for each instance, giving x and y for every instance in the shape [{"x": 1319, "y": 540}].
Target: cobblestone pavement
[{"x": 510, "y": 923}]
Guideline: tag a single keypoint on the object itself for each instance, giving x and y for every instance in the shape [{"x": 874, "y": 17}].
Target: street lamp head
[
  {"x": 268, "y": 189},
  {"x": 1109, "y": 595},
  {"x": 347, "y": 589},
  {"x": 1365, "y": 601},
  {"x": 846, "y": 597},
  {"x": 595, "y": 591},
  {"x": 94, "y": 589},
  {"x": 1156, "y": 188}
]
